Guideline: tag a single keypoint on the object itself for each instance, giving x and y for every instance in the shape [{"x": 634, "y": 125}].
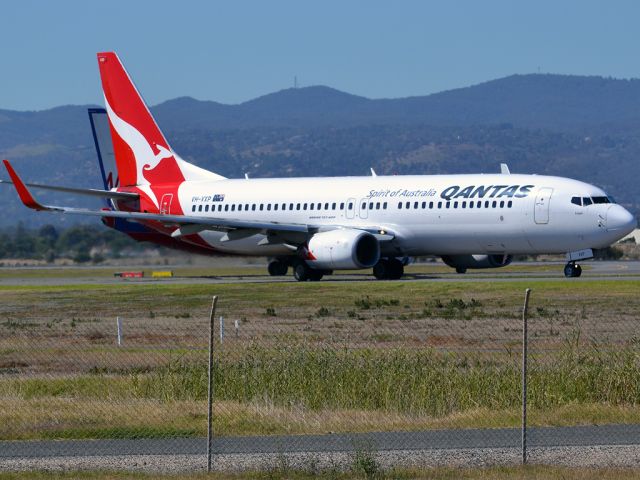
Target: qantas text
[{"x": 488, "y": 191}]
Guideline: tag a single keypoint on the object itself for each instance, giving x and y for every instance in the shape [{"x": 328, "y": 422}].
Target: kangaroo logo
[{"x": 146, "y": 159}]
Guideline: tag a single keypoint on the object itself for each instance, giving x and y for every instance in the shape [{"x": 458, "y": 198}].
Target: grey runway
[
  {"x": 599, "y": 271},
  {"x": 344, "y": 442}
]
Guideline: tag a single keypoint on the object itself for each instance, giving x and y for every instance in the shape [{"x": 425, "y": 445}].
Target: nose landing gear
[{"x": 572, "y": 270}]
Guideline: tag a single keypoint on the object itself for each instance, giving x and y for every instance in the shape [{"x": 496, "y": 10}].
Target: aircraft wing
[{"x": 185, "y": 224}]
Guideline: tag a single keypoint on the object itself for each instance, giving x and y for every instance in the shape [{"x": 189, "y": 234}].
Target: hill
[{"x": 582, "y": 127}]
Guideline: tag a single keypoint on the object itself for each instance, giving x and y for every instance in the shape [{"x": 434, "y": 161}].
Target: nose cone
[{"x": 620, "y": 221}]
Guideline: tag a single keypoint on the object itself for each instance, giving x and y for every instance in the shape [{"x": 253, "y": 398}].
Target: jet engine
[
  {"x": 343, "y": 249},
  {"x": 462, "y": 262}
]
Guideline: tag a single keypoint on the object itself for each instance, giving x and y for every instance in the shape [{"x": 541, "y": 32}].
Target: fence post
[
  {"x": 212, "y": 317},
  {"x": 524, "y": 375},
  {"x": 221, "y": 329},
  {"x": 119, "y": 328}
]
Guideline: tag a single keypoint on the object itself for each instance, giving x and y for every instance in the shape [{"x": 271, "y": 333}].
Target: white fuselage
[{"x": 428, "y": 214}]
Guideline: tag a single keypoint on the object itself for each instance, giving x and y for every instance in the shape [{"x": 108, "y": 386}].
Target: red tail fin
[{"x": 143, "y": 155}]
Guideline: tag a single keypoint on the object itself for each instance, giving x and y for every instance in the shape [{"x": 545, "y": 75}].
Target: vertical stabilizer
[{"x": 142, "y": 153}]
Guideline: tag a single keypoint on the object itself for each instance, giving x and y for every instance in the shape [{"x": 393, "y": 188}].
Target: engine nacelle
[
  {"x": 343, "y": 249},
  {"x": 462, "y": 262}
]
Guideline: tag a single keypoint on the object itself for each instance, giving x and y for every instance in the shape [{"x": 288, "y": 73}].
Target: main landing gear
[
  {"x": 388, "y": 269},
  {"x": 572, "y": 270},
  {"x": 278, "y": 268}
]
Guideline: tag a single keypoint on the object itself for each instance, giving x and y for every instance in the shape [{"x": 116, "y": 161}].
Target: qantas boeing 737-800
[{"x": 318, "y": 225}]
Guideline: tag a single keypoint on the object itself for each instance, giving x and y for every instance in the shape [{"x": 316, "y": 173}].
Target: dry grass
[{"x": 52, "y": 417}]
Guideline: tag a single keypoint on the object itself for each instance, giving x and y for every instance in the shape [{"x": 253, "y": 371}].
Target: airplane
[{"x": 317, "y": 225}]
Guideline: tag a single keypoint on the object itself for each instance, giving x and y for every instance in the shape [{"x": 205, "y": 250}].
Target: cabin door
[
  {"x": 165, "y": 204},
  {"x": 543, "y": 199}
]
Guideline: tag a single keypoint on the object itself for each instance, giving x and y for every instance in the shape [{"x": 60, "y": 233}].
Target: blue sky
[{"x": 234, "y": 51}]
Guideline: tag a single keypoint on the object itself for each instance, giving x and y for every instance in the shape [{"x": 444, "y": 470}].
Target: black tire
[
  {"x": 381, "y": 270},
  {"x": 396, "y": 269},
  {"x": 315, "y": 275},
  {"x": 577, "y": 271},
  {"x": 461, "y": 270},
  {"x": 569, "y": 269},
  {"x": 301, "y": 272},
  {"x": 277, "y": 268}
]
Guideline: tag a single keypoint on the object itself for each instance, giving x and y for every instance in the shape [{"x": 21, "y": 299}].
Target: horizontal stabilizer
[{"x": 81, "y": 191}]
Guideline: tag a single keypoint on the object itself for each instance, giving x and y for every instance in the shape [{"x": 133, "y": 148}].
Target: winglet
[{"x": 23, "y": 191}]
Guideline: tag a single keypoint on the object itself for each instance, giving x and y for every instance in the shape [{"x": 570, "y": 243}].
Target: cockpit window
[
  {"x": 576, "y": 201},
  {"x": 598, "y": 200},
  {"x": 586, "y": 201}
]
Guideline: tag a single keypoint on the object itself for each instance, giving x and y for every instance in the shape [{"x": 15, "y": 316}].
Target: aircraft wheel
[
  {"x": 301, "y": 272},
  {"x": 315, "y": 275},
  {"x": 382, "y": 269},
  {"x": 461, "y": 270},
  {"x": 572, "y": 270},
  {"x": 396, "y": 270},
  {"x": 577, "y": 271},
  {"x": 277, "y": 268}
]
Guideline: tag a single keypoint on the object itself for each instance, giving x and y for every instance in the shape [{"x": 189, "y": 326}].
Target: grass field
[{"x": 314, "y": 358}]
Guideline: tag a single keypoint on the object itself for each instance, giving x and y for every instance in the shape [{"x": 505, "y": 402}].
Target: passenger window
[
  {"x": 261, "y": 206},
  {"x": 333, "y": 206},
  {"x": 326, "y": 206},
  {"x": 400, "y": 205},
  {"x": 486, "y": 204},
  {"x": 371, "y": 205},
  {"x": 311, "y": 206},
  {"x": 319, "y": 206},
  {"x": 226, "y": 208},
  {"x": 377, "y": 205},
  {"x": 291, "y": 206},
  {"x": 455, "y": 204},
  {"x": 384, "y": 206},
  {"x": 364, "y": 206},
  {"x": 439, "y": 204},
  {"x": 253, "y": 207},
  {"x": 297, "y": 206},
  {"x": 470, "y": 204},
  {"x": 407, "y": 205},
  {"x": 415, "y": 205},
  {"x": 199, "y": 208},
  {"x": 284, "y": 206},
  {"x": 576, "y": 201},
  {"x": 275, "y": 206},
  {"x": 448, "y": 204},
  {"x": 304, "y": 207},
  {"x": 509, "y": 204},
  {"x": 430, "y": 205},
  {"x": 479, "y": 205},
  {"x": 268, "y": 206},
  {"x": 501, "y": 203},
  {"x": 350, "y": 205},
  {"x": 193, "y": 208},
  {"x": 342, "y": 206},
  {"x": 494, "y": 204},
  {"x": 464, "y": 204}
]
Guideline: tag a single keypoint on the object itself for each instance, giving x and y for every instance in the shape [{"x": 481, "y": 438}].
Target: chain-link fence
[{"x": 430, "y": 369}]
